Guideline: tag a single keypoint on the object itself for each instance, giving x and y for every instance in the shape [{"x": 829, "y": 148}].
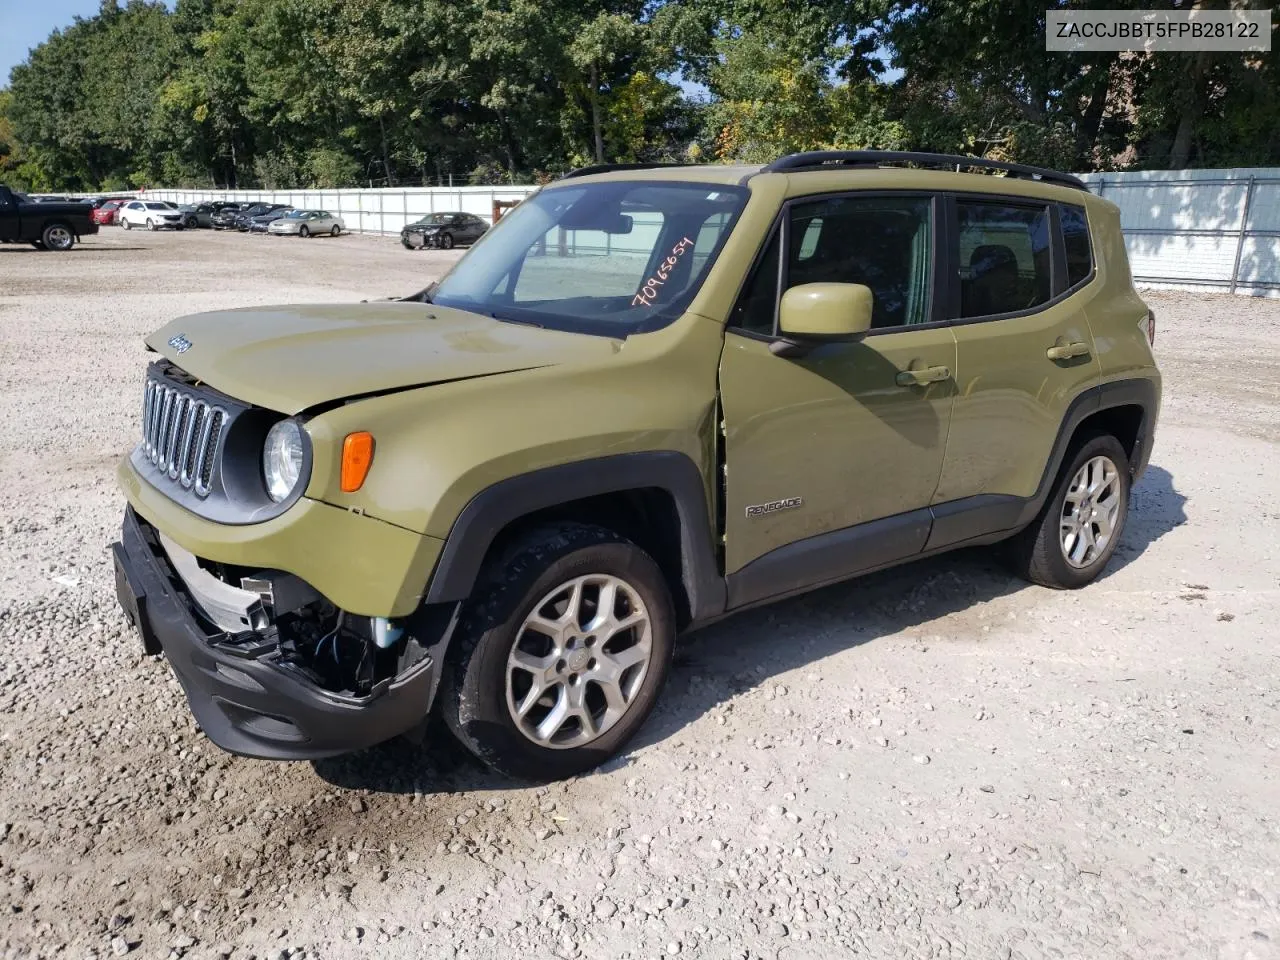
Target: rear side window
[
  {"x": 1005, "y": 257},
  {"x": 1075, "y": 239}
]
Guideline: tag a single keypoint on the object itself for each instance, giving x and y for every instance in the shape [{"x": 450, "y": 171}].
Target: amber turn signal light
[{"x": 357, "y": 457}]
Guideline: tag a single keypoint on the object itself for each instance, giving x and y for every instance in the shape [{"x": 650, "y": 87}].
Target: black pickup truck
[{"x": 46, "y": 226}]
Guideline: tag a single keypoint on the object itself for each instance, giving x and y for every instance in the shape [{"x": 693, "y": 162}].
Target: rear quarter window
[{"x": 1076, "y": 242}]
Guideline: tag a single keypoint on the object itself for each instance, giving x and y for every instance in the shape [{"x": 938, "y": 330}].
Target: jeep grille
[{"x": 180, "y": 434}]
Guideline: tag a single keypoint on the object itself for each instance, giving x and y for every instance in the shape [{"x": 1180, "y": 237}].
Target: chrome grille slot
[{"x": 181, "y": 433}]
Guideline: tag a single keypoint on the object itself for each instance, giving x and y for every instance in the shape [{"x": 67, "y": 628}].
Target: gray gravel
[{"x": 937, "y": 761}]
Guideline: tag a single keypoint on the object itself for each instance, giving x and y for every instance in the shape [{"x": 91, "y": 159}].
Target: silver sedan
[{"x": 307, "y": 223}]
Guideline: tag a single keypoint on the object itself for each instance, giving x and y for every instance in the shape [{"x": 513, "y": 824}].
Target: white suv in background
[{"x": 152, "y": 214}]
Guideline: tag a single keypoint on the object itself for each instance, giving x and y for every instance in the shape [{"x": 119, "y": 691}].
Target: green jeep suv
[{"x": 649, "y": 398}]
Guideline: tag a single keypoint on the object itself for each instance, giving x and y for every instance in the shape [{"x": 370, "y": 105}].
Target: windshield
[
  {"x": 438, "y": 218},
  {"x": 604, "y": 258},
  {"x": 298, "y": 214}
]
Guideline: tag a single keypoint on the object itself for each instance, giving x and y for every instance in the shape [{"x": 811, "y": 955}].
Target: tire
[
  {"x": 126, "y": 224},
  {"x": 303, "y": 231},
  {"x": 335, "y": 231},
  {"x": 1040, "y": 553},
  {"x": 478, "y": 682},
  {"x": 58, "y": 236},
  {"x": 151, "y": 224},
  {"x": 446, "y": 241}
]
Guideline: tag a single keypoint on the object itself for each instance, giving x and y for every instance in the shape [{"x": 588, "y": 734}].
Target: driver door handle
[
  {"x": 923, "y": 376},
  {"x": 1065, "y": 351}
]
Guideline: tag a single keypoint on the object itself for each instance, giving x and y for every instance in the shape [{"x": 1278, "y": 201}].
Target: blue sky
[{"x": 25, "y": 23}]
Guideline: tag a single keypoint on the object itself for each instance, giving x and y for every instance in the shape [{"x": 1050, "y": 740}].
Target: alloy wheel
[
  {"x": 579, "y": 661},
  {"x": 1090, "y": 512},
  {"x": 59, "y": 238}
]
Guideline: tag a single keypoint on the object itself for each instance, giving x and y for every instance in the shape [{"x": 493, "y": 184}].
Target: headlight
[{"x": 282, "y": 459}]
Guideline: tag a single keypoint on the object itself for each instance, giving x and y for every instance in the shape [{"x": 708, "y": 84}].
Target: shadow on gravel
[
  {"x": 1155, "y": 508},
  {"x": 746, "y": 650}
]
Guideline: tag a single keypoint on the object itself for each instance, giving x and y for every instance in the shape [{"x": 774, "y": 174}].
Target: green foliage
[{"x": 285, "y": 93}]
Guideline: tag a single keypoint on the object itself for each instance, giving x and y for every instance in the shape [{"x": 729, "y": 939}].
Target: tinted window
[
  {"x": 1004, "y": 257},
  {"x": 884, "y": 243},
  {"x": 1075, "y": 238},
  {"x": 755, "y": 308}
]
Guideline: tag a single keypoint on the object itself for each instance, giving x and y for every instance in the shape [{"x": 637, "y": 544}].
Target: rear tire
[
  {"x": 335, "y": 231},
  {"x": 126, "y": 224},
  {"x": 598, "y": 678},
  {"x": 58, "y": 236},
  {"x": 1074, "y": 536}
]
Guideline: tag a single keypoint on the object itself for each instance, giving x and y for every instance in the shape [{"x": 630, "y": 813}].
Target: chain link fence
[{"x": 1199, "y": 229}]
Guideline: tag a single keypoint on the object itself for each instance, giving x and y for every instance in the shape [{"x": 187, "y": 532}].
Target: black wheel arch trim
[
  {"x": 1133, "y": 391},
  {"x": 495, "y": 507}
]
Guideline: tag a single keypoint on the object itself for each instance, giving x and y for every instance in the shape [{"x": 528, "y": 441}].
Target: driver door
[{"x": 833, "y": 456}]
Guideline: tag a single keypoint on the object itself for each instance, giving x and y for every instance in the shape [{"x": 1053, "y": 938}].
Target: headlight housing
[{"x": 282, "y": 456}]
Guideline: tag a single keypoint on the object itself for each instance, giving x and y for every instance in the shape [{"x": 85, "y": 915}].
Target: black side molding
[
  {"x": 829, "y": 558},
  {"x": 493, "y": 508}
]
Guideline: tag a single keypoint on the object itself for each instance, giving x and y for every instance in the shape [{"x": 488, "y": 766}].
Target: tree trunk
[
  {"x": 386, "y": 155},
  {"x": 597, "y": 126},
  {"x": 1191, "y": 110}
]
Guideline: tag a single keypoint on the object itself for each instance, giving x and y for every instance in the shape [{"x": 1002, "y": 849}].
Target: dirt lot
[{"x": 938, "y": 761}]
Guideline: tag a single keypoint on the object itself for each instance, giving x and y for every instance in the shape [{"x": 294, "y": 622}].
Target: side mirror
[{"x": 823, "y": 313}]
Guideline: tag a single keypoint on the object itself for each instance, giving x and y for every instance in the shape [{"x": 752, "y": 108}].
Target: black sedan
[
  {"x": 260, "y": 223},
  {"x": 443, "y": 231}
]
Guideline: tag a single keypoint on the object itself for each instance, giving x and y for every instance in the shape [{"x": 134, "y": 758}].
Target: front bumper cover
[{"x": 244, "y": 697}]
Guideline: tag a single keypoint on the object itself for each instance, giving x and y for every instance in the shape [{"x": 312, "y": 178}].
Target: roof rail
[
  {"x": 818, "y": 159},
  {"x": 611, "y": 167}
]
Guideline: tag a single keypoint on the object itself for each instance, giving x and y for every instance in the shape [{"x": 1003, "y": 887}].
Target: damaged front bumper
[{"x": 255, "y": 691}]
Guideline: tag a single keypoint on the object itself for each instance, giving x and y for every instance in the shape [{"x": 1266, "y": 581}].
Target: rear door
[
  {"x": 1024, "y": 352},
  {"x": 843, "y": 435}
]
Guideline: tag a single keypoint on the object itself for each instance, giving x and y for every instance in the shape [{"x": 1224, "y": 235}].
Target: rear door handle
[
  {"x": 1065, "y": 351},
  {"x": 925, "y": 375}
]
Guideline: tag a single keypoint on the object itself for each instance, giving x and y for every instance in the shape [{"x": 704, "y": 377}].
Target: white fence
[
  {"x": 1199, "y": 229},
  {"x": 381, "y": 210},
  {"x": 1187, "y": 229}
]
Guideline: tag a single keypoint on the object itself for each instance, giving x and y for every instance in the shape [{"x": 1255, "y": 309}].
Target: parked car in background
[
  {"x": 307, "y": 223},
  {"x": 46, "y": 226},
  {"x": 152, "y": 214},
  {"x": 197, "y": 214},
  {"x": 260, "y": 223},
  {"x": 443, "y": 231},
  {"x": 226, "y": 217},
  {"x": 104, "y": 215},
  {"x": 240, "y": 219}
]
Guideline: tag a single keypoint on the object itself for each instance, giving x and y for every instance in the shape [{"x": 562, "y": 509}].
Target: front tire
[
  {"x": 446, "y": 241},
  {"x": 1071, "y": 540},
  {"x": 151, "y": 224},
  {"x": 304, "y": 232},
  {"x": 560, "y": 655}
]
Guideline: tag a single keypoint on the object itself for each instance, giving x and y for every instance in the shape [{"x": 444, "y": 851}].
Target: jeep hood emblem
[{"x": 180, "y": 343}]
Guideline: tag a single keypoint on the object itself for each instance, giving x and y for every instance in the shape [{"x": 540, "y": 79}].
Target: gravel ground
[{"x": 937, "y": 761}]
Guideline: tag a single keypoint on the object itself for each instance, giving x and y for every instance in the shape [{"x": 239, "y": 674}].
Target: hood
[{"x": 292, "y": 358}]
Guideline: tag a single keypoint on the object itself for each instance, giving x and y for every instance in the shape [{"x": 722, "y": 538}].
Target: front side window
[
  {"x": 885, "y": 243},
  {"x": 604, "y": 258},
  {"x": 1075, "y": 239},
  {"x": 1004, "y": 257}
]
